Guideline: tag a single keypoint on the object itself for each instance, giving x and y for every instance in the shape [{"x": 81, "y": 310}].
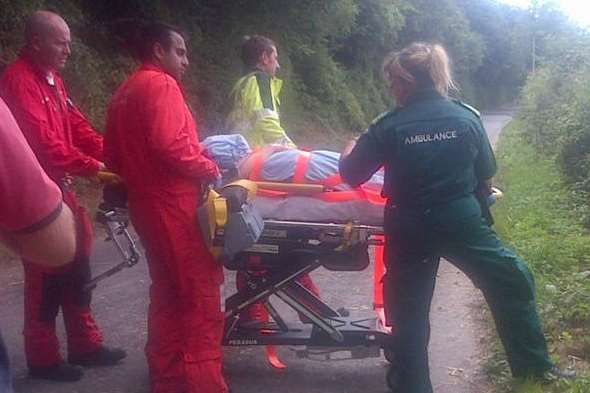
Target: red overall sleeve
[
  {"x": 30, "y": 110},
  {"x": 170, "y": 136},
  {"x": 86, "y": 139}
]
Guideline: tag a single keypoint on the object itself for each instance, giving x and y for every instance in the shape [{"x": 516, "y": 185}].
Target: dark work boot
[
  {"x": 103, "y": 356},
  {"x": 61, "y": 372}
]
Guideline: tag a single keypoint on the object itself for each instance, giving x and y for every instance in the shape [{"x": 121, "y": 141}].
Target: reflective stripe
[
  {"x": 264, "y": 112},
  {"x": 285, "y": 141}
]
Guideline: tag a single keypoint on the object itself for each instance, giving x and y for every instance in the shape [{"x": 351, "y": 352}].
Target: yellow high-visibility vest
[{"x": 255, "y": 110}]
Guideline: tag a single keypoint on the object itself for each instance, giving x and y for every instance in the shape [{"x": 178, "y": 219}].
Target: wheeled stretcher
[
  {"x": 278, "y": 253},
  {"x": 285, "y": 251}
]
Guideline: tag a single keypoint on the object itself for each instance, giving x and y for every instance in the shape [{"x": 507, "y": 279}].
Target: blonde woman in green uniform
[
  {"x": 436, "y": 155},
  {"x": 255, "y": 96}
]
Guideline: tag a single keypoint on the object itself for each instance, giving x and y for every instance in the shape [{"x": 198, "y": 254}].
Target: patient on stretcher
[{"x": 334, "y": 201}]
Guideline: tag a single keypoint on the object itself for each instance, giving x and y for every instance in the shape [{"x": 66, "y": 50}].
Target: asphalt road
[{"x": 120, "y": 305}]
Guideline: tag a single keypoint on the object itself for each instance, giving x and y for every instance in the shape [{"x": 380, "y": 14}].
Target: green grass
[{"x": 538, "y": 218}]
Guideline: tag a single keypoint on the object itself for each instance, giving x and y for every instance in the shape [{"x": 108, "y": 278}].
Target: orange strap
[
  {"x": 379, "y": 272},
  {"x": 301, "y": 167},
  {"x": 257, "y": 164},
  {"x": 272, "y": 356},
  {"x": 352, "y": 195},
  {"x": 332, "y": 181}
]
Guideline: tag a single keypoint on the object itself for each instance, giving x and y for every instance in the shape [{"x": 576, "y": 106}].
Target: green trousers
[{"x": 416, "y": 239}]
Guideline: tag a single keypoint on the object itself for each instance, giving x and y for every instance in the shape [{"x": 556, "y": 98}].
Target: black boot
[
  {"x": 103, "y": 356},
  {"x": 62, "y": 372}
]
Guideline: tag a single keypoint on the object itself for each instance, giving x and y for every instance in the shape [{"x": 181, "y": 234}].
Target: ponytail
[
  {"x": 440, "y": 70},
  {"x": 418, "y": 66}
]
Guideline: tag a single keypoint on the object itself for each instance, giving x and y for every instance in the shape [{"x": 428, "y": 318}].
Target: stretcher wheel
[
  {"x": 392, "y": 377},
  {"x": 343, "y": 312},
  {"x": 389, "y": 354}
]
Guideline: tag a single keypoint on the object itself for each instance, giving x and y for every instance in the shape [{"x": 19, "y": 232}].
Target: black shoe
[
  {"x": 104, "y": 356},
  {"x": 62, "y": 372}
]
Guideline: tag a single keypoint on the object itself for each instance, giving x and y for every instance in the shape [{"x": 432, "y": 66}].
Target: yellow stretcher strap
[
  {"x": 218, "y": 213},
  {"x": 217, "y": 205},
  {"x": 220, "y": 209},
  {"x": 211, "y": 211},
  {"x": 217, "y": 218}
]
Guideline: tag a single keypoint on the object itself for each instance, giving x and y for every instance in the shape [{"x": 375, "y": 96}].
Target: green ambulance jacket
[
  {"x": 255, "y": 110},
  {"x": 434, "y": 151}
]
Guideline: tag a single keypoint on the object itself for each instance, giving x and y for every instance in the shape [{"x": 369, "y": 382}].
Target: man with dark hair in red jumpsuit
[
  {"x": 152, "y": 143},
  {"x": 65, "y": 144}
]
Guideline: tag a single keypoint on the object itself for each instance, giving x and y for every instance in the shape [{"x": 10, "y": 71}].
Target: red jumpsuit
[
  {"x": 65, "y": 144},
  {"x": 152, "y": 142}
]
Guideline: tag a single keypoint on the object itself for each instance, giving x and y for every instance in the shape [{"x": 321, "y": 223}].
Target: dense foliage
[
  {"x": 556, "y": 105},
  {"x": 331, "y": 50}
]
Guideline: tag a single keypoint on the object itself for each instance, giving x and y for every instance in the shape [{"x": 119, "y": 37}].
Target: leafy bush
[{"x": 555, "y": 109}]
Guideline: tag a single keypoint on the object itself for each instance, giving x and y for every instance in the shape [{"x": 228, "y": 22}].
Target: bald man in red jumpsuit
[
  {"x": 151, "y": 142},
  {"x": 65, "y": 144}
]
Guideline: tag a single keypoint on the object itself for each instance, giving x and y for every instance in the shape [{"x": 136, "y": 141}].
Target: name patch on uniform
[{"x": 433, "y": 137}]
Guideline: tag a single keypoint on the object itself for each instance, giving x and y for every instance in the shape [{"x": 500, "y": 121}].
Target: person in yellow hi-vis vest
[
  {"x": 255, "y": 115},
  {"x": 255, "y": 97}
]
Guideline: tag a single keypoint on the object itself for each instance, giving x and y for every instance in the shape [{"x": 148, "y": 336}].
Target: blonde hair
[{"x": 418, "y": 65}]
